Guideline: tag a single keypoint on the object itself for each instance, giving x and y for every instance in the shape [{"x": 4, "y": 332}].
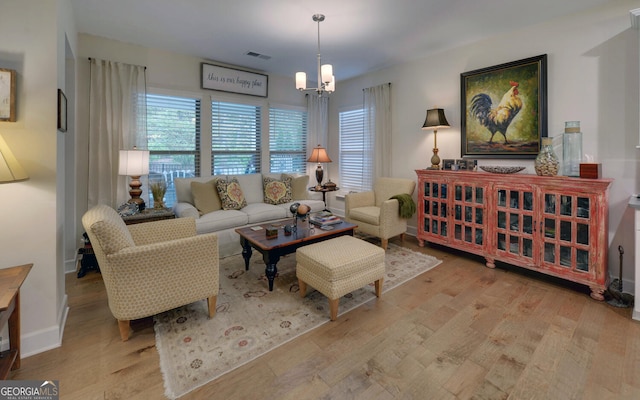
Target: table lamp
[
  {"x": 435, "y": 120},
  {"x": 134, "y": 163},
  {"x": 319, "y": 155},
  {"x": 10, "y": 168}
]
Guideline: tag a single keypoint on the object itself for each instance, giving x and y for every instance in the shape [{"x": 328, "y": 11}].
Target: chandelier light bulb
[
  {"x": 301, "y": 80},
  {"x": 327, "y": 73}
]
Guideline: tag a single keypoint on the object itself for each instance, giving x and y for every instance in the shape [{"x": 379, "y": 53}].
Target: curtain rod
[
  {"x": 388, "y": 83},
  {"x": 144, "y": 66}
]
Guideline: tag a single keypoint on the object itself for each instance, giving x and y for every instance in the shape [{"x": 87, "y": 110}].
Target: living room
[{"x": 592, "y": 77}]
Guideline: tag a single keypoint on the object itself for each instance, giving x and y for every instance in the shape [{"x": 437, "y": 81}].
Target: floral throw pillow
[
  {"x": 275, "y": 191},
  {"x": 231, "y": 194}
]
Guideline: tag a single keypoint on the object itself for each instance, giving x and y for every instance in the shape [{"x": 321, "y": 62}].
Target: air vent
[{"x": 258, "y": 55}]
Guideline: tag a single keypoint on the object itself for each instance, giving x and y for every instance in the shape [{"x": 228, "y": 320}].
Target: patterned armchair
[
  {"x": 375, "y": 213},
  {"x": 152, "y": 267}
]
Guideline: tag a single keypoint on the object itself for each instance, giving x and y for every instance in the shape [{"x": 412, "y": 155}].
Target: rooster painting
[{"x": 499, "y": 118}]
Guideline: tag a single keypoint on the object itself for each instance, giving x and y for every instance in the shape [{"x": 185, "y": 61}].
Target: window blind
[
  {"x": 235, "y": 138},
  {"x": 173, "y": 139},
  {"x": 287, "y": 140},
  {"x": 353, "y": 157}
]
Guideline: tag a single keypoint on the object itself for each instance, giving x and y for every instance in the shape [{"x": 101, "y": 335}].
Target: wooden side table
[
  {"x": 148, "y": 215},
  {"x": 10, "y": 281},
  {"x": 324, "y": 191}
]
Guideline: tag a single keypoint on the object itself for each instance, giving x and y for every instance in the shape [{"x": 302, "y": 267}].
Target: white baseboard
[{"x": 45, "y": 339}]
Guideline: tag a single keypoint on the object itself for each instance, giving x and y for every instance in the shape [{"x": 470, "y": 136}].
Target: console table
[
  {"x": 554, "y": 225},
  {"x": 11, "y": 280}
]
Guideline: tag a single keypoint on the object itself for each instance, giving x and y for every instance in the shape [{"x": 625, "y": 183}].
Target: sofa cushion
[
  {"x": 277, "y": 191},
  {"x": 370, "y": 215},
  {"x": 222, "y": 219},
  {"x": 205, "y": 196},
  {"x": 231, "y": 194},
  {"x": 299, "y": 186},
  {"x": 251, "y": 185},
  {"x": 261, "y": 212},
  {"x": 183, "y": 186}
]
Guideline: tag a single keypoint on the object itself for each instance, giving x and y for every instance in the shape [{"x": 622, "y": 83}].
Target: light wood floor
[{"x": 459, "y": 331}]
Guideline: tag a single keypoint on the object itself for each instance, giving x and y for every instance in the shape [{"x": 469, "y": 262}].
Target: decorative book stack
[{"x": 324, "y": 219}]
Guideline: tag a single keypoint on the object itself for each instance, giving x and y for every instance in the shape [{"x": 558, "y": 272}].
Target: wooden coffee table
[{"x": 273, "y": 249}]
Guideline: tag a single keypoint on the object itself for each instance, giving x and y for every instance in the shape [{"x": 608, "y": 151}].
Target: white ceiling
[{"x": 357, "y": 36}]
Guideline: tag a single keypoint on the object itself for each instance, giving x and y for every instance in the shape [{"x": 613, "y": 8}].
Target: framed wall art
[
  {"x": 62, "y": 111},
  {"x": 504, "y": 109},
  {"x": 7, "y": 95},
  {"x": 232, "y": 80}
]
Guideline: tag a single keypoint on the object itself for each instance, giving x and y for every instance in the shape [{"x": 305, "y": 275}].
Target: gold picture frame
[{"x": 7, "y": 95}]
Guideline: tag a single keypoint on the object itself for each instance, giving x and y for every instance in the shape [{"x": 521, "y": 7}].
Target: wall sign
[{"x": 232, "y": 80}]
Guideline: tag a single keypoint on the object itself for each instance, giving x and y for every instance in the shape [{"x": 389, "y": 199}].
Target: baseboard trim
[{"x": 46, "y": 339}]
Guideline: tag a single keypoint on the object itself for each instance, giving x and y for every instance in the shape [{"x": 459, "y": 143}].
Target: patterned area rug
[{"x": 250, "y": 320}]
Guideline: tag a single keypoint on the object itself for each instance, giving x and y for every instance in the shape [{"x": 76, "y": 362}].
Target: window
[
  {"x": 235, "y": 138},
  {"x": 353, "y": 156},
  {"x": 287, "y": 140},
  {"x": 173, "y": 129}
]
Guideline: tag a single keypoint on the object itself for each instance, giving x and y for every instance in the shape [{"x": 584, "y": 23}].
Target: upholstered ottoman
[{"x": 338, "y": 266}]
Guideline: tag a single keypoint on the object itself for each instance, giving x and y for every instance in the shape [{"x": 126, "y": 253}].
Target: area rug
[{"x": 250, "y": 320}]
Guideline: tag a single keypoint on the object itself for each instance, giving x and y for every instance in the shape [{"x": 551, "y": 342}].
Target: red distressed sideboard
[{"x": 555, "y": 225}]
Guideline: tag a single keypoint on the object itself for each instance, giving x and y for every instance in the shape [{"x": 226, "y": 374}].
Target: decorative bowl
[{"x": 501, "y": 169}]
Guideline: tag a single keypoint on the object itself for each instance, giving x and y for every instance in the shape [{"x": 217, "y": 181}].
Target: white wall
[
  {"x": 29, "y": 211},
  {"x": 169, "y": 72},
  {"x": 592, "y": 77}
]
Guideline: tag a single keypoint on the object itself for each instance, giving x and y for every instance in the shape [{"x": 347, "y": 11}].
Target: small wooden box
[
  {"x": 591, "y": 170},
  {"x": 271, "y": 232}
]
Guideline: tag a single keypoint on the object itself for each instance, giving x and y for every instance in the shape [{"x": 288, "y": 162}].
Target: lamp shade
[
  {"x": 134, "y": 162},
  {"x": 10, "y": 168},
  {"x": 319, "y": 155},
  {"x": 435, "y": 119}
]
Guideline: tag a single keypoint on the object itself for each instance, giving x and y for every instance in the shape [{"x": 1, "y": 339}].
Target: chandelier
[{"x": 326, "y": 80}]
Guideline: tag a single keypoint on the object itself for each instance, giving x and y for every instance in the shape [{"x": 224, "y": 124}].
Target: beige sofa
[{"x": 197, "y": 198}]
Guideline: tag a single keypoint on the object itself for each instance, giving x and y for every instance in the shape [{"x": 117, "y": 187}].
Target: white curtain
[
  {"x": 377, "y": 133},
  {"x": 117, "y": 120},
  {"x": 317, "y": 125}
]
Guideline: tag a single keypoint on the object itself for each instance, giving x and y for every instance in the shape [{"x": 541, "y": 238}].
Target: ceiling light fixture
[{"x": 326, "y": 79}]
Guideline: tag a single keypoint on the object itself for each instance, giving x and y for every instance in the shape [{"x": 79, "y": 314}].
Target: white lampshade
[
  {"x": 134, "y": 162},
  {"x": 10, "y": 168},
  {"x": 327, "y": 73},
  {"x": 301, "y": 80},
  {"x": 331, "y": 87}
]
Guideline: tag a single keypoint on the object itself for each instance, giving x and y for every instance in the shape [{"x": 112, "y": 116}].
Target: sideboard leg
[
  {"x": 597, "y": 293},
  {"x": 420, "y": 243},
  {"x": 490, "y": 262}
]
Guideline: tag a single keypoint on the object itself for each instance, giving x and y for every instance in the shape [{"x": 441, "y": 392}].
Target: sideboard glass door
[
  {"x": 469, "y": 214},
  {"x": 515, "y": 223},
  {"x": 435, "y": 197},
  {"x": 567, "y": 235}
]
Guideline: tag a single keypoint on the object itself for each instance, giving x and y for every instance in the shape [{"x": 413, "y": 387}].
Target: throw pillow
[
  {"x": 275, "y": 191},
  {"x": 299, "y": 189},
  {"x": 205, "y": 196},
  {"x": 231, "y": 194}
]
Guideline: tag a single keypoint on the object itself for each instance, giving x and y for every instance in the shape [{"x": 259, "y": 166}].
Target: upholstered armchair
[
  {"x": 152, "y": 267},
  {"x": 375, "y": 212}
]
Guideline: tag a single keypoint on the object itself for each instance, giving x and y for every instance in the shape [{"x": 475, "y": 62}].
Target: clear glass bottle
[
  {"x": 547, "y": 162},
  {"x": 571, "y": 148}
]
